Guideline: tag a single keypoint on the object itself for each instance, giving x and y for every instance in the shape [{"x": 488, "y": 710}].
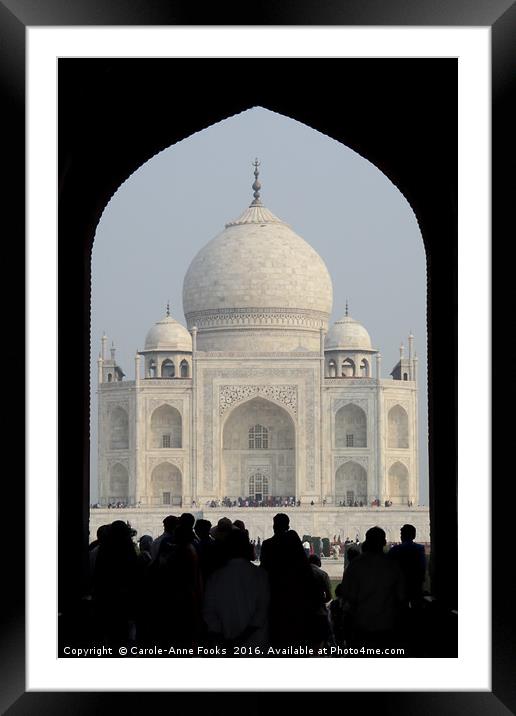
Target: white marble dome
[
  {"x": 168, "y": 335},
  {"x": 257, "y": 273},
  {"x": 347, "y": 334}
]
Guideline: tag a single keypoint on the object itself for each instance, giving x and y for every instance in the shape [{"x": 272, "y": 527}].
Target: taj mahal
[{"x": 258, "y": 400}]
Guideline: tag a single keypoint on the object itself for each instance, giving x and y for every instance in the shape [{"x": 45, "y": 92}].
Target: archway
[
  {"x": 119, "y": 427},
  {"x": 168, "y": 369},
  {"x": 429, "y": 191},
  {"x": 118, "y": 484},
  {"x": 398, "y": 484},
  {"x": 351, "y": 484},
  {"x": 165, "y": 428},
  {"x": 258, "y": 452},
  {"x": 398, "y": 435},
  {"x": 166, "y": 485},
  {"x": 348, "y": 368},
  {"x": 350, "y": 427}
]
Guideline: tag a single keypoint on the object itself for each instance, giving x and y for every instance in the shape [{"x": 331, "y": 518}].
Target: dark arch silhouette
[{"x": 114, "y": 115}]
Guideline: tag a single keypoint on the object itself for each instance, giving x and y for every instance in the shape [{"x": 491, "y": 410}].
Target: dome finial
[
  {"x": 168, "y": 308},
  {"x": 347, "y": 310},
  {"x": 256, "y": 185}
]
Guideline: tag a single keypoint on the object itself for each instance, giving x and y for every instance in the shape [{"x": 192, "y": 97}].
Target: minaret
[
  {"x": 410, "y": 355},
  {"x": 102, "y": 357},
  {"x": 137, "y": 369},
  {"x": 112, "y": 350},
  {"x": 193, "y": 425},
  {"x": 378, "y": 366},
  {"x": 402, "y": 351}
]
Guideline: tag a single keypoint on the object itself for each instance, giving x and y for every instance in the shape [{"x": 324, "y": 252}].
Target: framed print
[{"x": 99, "y": 149}]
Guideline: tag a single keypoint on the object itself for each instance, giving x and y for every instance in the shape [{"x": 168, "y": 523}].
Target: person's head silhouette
[
  {"x": 170, "y": 524},
  {"x": 375, "y": 540},
  {"x": 237, "y": 544},
  {"x": 280, "y": 523},
  {"x": 187, "y": 519},
  {"x": 408, "y": 533},
  {"x": 202, "y": 529}
]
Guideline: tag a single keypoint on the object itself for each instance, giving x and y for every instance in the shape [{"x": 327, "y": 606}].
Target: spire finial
[
  {"x": 168, "y": 308},
  {"x": 347, "y": 309},
  {"x": 256, "y": 185}
]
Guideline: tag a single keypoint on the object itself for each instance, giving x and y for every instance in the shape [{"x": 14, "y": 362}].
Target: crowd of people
[
  {"x": 211, "y": 585},
  {"x": 267, "y": 501}
]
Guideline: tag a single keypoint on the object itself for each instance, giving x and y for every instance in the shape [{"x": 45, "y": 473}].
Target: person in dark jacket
[{"x": 411, "y": 558}]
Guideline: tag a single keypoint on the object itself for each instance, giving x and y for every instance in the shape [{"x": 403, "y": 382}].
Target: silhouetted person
[
  {"x": 143, "y": 604},
  {"x": 295, "y": 595},
  {"x": 351, "y": 550},
  {"x": 340, "y": 608},
  {"x": 274, "y": 550},
  {"x": 188, "y": 520},
  {"x": 411, "y": 558},
  {"x": 236, "y": 598},
  {"x": 169, "y": 525},
  {"x": 241, "y": 526},
  {"x": 145, "y": 545},
  {"x": 322, "y": 577},
  {"x": 258, "y": 547},
  {"x": 205, "y": 547},
  {"x": 373, "y": 585},
  {"x": 324, "y": 585},
  {"x": 93, "y": 551},
  {"x": 176, "y": 590},
  {"x": 114, "y": 583}
]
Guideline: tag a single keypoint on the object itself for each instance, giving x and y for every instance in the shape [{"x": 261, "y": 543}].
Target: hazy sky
[{"x": 351, "y": 213}]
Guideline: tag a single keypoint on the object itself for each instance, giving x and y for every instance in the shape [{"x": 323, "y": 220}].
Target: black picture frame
[{"x": 15, "y": 16}]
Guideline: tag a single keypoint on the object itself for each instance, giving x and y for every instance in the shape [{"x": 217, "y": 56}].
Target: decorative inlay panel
[
  {"x": 284, "y": 393},
  {"x": 153, "y": 403},
  {"x": 156, "y": 460},
  {"x": 391, "y": 402},
  {"x": 230, "y": 395},
  {"x": 239, "y": 317},
  {"x": 361, "y": 403},
  {"x": 361, "y": 460}
]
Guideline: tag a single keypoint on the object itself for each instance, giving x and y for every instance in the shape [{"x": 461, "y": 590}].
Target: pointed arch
[
  {"x": 398, "y": 484},
  {"x": 397, "y": 426},
  {"x": 258, "y": 437},
  {"x": 118, "y": 484},
  {"x": 348, "y": 368},
  {"x": 350, "y": 427},
  {"x": 351, "y": 483},
  {"x": 168, "y": 369},
  {"x": 166, "y": 485},
  {"x": 166, "y": 427},
  {"x": 119, "y": 429}
]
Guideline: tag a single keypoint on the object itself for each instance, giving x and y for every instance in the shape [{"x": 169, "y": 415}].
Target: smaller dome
[
  {"x": 168, "y": 335},
  {"x": 347, "y": 334}
]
